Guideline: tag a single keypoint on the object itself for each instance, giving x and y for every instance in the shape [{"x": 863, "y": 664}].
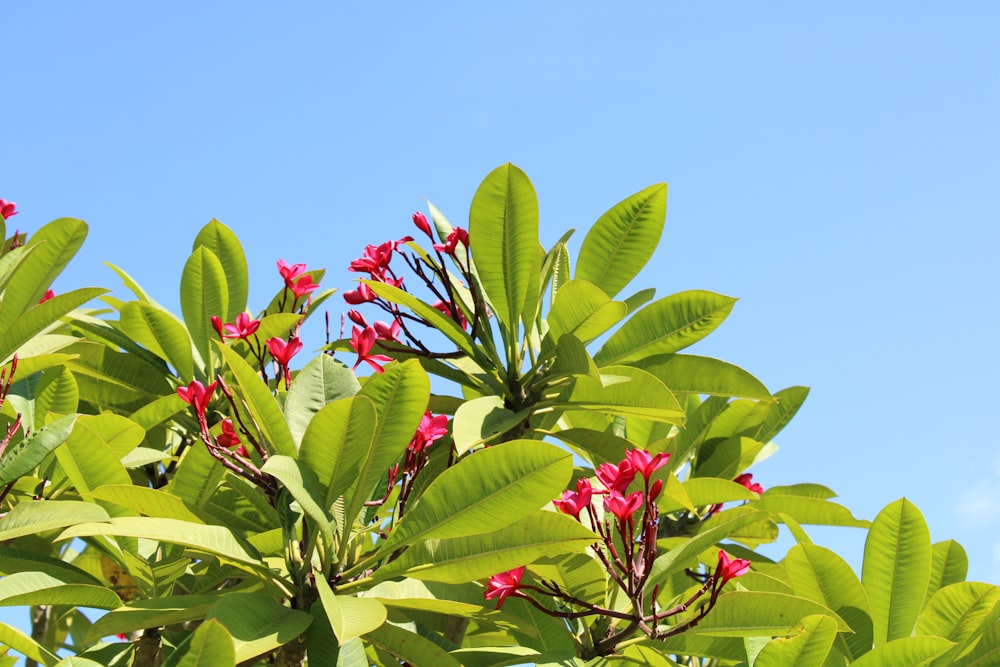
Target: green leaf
[
  {"x": 812, "y": 511},
  {"x": 821, "y": 575},
  {"x": 142, "y": 614},
  {"x": 57, "y": 393},
  {"x": 51, "y": 248},
  {"x": 904, "y": 652},
  {"x": 215, "y": 541},
  {"x": 350, "y": 617},
  {"x": 787, "y": 402},
  {"x": 21, "y": 560},
  {"x": 482, "y": 420},
  {"x": 36, "y": 588},
  {"x": 301, "y": 482},
  {"x": 92, "y": 454},
  {"x": 204, "y": 293},
  {"x": 257, "y": 623},
  {"x": 601, "y": 447},
  {"x": 410, "y": 647},
  {"x": 896, "y": 569},
  {"x": 808, "y": 647},
  {"x": 486, "y": 491},
  {"x": 623, "y": 239},
  {"x": 463, "y": 559},
  {"x": 162, "y": 334},
  {"x": 262, "y": 404},
  {"x": 583, "y": 310},
  {"x": 949, "y": 565},
  {"x": 690, "y": 374},
  {"x": 22, "y": 458},
  {"x": 145, "y": 501},
  {"x": 226, "y": 247},
  {"x": 726, "y": 457},
  {"x": 760, "y": 613},
  {"x": 337, "y": 441},
  {"x": 624, "y": 390},
  {"x": 35, "y": 516},
  {"x": 711, "y": 490},
  {"x": 40, "y": 316},
  {"x": 503, "y": 238},
  {"x": 76, "y": 661},
  {"x": 986, "y": 652},
  {"x": 322, "y": 381},
  {"x": 22, "y": 643},
  {"x": 210, "y": 645},
  {"x": 960, "y": 612},
  {"x": 667, "y": 325}
]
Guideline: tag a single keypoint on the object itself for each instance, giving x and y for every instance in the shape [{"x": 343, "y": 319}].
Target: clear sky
[{"x": 834, "y": 165}]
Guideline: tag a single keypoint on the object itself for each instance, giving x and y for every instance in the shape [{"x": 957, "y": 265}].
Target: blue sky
[{"x": 835, "y": 166}]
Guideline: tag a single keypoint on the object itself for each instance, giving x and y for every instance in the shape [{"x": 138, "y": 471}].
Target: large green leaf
[
  {"x": 210, "y": 645},
  {"x": 336, "y": 443},
  {"x": 761, "y": 614},
  {"x": 623, "y": 239},
  {"x": 814, "y": 511},
  {"x": 349, "y": 616},
  {"x": 40, "y": 316},
  {"x": 986, "y": 652},
  {"x": 463, "y": 559},
  {"x": 204, "y": 293},
  {"x": 263, "y": 407},
  {"x": 36, "y": 588},
  {"x": 896, "y": 569},
  {"x": 486, "y": 491},
  {"x": 301, "y": 482},
  {"x": 690, "y": 374},
  {"x": 197, "y": 476},
  {"x": 624, "y": 390},
  {"x": 145, "y": 501},
  {"x": 787, "y": 402},
  {"x": 808, "y": 647},
  {"x": 15, "y": 639},
  {"x": 142, "y": 614},
  {"x": 949, "y": 565},
  {"x": 444, "y": 324},
  {"x": 22, "y": 560},
  {"x": 162, "y": 334},
  {"x": 411, "y": 647},
  {"x": 322, "y": 381},
  {"x": 584, "y": 310},
  {"x": 22, "y": 458},
  {"x": 257, "y": 623},
  {"x": 226, "y": 247},
  {"x": 92, "y": 454},
  {"x": 503, "y": 238},
  {"x": 482, "y": 420},
  {"x": 960, "y": 613},
  {"x": 50, "y": 248},
  {"x": 667, "y": 325},
  {"x": 37, "y": 516},
  {"x": 904, "y": 652},
  {"x": 56, "y": 393},
  {"x": 821, "y": 575}
]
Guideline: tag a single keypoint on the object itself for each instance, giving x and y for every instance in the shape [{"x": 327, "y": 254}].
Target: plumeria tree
[{"x": 500, "y": 460}]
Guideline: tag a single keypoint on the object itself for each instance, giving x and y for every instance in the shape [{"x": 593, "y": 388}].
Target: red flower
[
  {"x": 362, "y": 341},
  {"x": 361, "y": 295},
  {"x": 357, "y": 318},
  {"x": 644, "y": 463},
  {"x": 430, "y": 430},
  {"x": 616, "y": 477},
  {"x": 303, "y": 286},
  {"x": 388, "y": 331},
  {"x": 197, "y": 396},
  {"x": 420, "y": 220},
  {"x": 242, "y": 451},
  {"x": 217, "y": 324},
  {"x": 573, "y": 502},
  {"x": 290, "y": 273},
  {"x": 450, "y": 310},
  {"x": 730, "y": 568},
  {"x": 228, "y": 438},
  {"x": 282, "y": 351},
  {"x": 504, "y": 585},
  {"x": 746, "y": 480},
  {"x": 7, "y": 209},
  {"x": 456, "y": 236},
  {"x": 621, "y": 506},
  {"x": 48, "y": 295},
  {"x": 244, "y": 327}
]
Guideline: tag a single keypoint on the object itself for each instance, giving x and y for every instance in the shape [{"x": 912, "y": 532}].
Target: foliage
[{"x": 174, "y": 481}]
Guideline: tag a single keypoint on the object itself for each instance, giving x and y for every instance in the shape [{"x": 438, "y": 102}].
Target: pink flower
[
  {"x": 457, "y": 235},
  {"x": 616, "y": 477},
  {"x": 573, "y": 502},
  {"x": 228, "y": 438},
  {"x": 244, "y": 327},
  {"x": 217, "y": 324},
  {"x": 290, "y": 273},
  {"x": 7, "y": 209},
  {"x": 621, "y": 506},
  {"x": 197, "y": 396},
  {"x": 362, "y": 341},
  {"x": 282, "y": 351},
  {"x": 357, "y": 318},
  {"x": 361, "y": 295},
  {"x": 644, "y": 463},
  {"x": 655, "y": 489},
  {"x": 388, "y": 331},
  {"x": 48, "y": 295},
  {"x": 303, "y": 286},
  {"x": 242, "y": 451},
  {"x": 420, "y": 220},
  {"x": 730, "y": 568},
  {"x": 450, "y": 310},
  {"x": 504, "y": 585},
  {"x": 746, "y": 480},
  {"x": 430, "y": 430}
]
